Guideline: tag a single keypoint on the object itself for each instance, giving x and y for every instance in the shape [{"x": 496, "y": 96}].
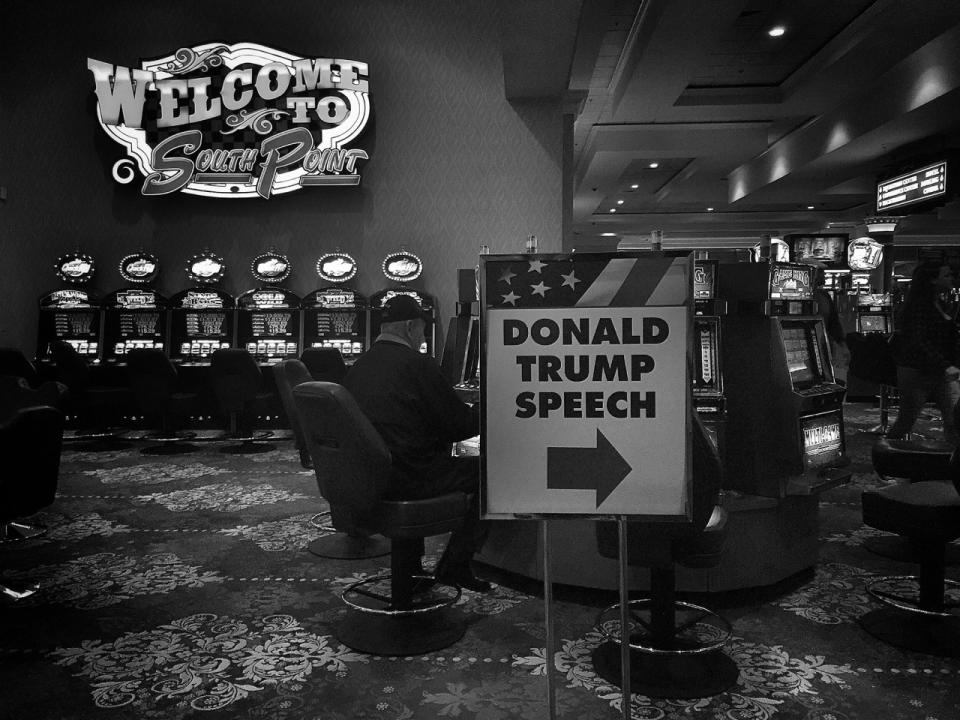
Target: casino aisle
[{"x": 179, "y": 587}]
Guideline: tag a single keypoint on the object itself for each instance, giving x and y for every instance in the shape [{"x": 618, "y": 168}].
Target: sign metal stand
[
  {"x": 551, "y": 649},
  {"x": 624, "y": 618}
]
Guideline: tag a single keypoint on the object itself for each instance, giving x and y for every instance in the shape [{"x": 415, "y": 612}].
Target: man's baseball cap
[{"x": 403, "y": 307}]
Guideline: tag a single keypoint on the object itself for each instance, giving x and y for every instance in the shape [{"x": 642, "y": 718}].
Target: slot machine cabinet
[
  {"x": 201, "y": 321},
  {"x": 268, "y": 324},
  {"x": 336, "y": 317},
  {"x": 455, "y": 347},
  {"x": 133, "y": 318},
  {"x": 403, "y": 267},
  {"x": 709, "y": 399},
  {"x": 875, "y": 313},
  {"x": 425, "y": 301},
  {"x": 72, "y": 314},
  {"x": 785, "y": 431}
]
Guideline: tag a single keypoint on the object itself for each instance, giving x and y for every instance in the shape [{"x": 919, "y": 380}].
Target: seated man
[{"x": 407, "y": 399}]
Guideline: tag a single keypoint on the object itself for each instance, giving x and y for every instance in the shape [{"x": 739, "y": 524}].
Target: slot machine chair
[
  {"x": 14, "y": 363},
  {"x": 675, "y": 647},
  {"x": 237, "y": 383},
  {"x": 351, "y": 543},
  {"x": 922, "y": 611},
  {"x": 30, "y": 443},
  {"x": 16, "y": 393},
  {"x": 387, "y": 615},
  {"x": 324, "y": 364},
  {"x": 95, "y": 405},
  {"x": 154, "y": 383}
]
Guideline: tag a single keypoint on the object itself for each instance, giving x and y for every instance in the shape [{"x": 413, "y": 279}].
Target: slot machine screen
[
  {"x": 822, "y": 439},
  {"x": 805, "y": 360},
  {"x": 791, "y": 282},
  {"x": 471, "y": 361},
  {"x": 874, "y": 323}
]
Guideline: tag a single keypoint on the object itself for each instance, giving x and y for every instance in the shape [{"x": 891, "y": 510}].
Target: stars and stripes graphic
[{"x": 588, "y": 281}]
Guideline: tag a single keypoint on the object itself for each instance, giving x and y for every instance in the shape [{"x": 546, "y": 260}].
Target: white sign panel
[{"x": 586, "y": 410}]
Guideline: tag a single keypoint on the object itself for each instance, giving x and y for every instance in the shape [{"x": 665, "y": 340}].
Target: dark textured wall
[{"x": 453, "y": 165}]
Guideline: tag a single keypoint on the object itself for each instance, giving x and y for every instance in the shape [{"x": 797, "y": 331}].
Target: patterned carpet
[{"x": 182, "y": 588}]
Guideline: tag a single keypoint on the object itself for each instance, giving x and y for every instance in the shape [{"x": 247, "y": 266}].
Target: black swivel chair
[
  {"x": 675, "y": 647},
  {"x": 238, "y": 385},
  {"x": 387, "y": 615},
  {"x": 922, "y": 612},
  {"x": 154, "y": 384},
  {"x": 353, "y": 544},
  {"x": 100, "y": 408},
  {"x": 30, "y": 443},
  {"x": 324, "y": 364},
  {"x": 14, "y": 362}
]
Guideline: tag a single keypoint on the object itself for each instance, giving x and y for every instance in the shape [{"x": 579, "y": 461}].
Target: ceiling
[{"x": 692, "y": 120}]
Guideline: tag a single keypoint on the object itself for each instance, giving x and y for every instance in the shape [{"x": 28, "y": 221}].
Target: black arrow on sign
[{"x": 601, "y": 468}]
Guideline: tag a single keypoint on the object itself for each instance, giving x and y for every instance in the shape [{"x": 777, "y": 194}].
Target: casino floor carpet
[{"x": 182, "y": 588}]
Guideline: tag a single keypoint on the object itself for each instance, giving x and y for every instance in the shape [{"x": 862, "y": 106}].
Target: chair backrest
[
  {"x": 350, "y": 459},
  {"x": 14, "y": 362},
  {"x": 324, "y": 364},
  {"x": 288, "y": 374},
  {"x": 235, "y": 377},
  {"x": 30, "y": 444},
  {"x": 72, "y": 367},
  {"x": 152, "y": 377}
]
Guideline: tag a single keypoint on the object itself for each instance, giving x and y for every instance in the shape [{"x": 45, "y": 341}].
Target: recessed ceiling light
[
  {"x": 634, "y": 186},
  {"x": 654, "y": 165},
  {"x": 776, "y": 31},
  {"x": 710, "y": 209},
  {"x": 608, "y": 234},
  {"x": 619, "y": 202},
  {"x": 810, "y": 207},
  {"x": 613, "y": 209}
]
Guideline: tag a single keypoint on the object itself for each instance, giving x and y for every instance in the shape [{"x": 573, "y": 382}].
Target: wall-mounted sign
[
  {"x": 336, "y": 267},
  {"x": 402, "y": 267},
  {"x": 924, "y": 184},
  {"x": 206, "y": 267},
  {"x": 270, "y": 267},
  {"x": 140, "y": 268},
  {"x": 238, "y": 120},
  {"x": 864, "y": 253},
  {"x": 75, "y": 268}
]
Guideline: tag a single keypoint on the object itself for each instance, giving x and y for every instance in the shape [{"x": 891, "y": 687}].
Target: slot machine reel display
[
  {"x": 268, "y": 324},
  {"x": 134, "y": 318},
  {"x": 336, "y": 316},
  {"x": 875, "y": 313},
  {"x": 201, "y": 317},
  {"x": 403, "y": 267},
  {"x": 785, "y": 433},
  {"x": 71, "y": 314}
]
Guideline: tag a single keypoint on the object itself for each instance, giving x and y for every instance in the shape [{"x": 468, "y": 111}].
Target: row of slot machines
[
  {"x": 271, "y": 323},
  {"x": 763, "y": 380}
]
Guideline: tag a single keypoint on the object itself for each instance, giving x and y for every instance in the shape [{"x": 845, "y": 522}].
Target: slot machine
[
  {"x": 402, "y": 267},
  {"x": 136, "y": 316},
  {"x": 202, "y": 316},
  {"x": 268, "y": 317},
  {"x": 71, "y": 314},
  {"x": 335, "y": 316},
  {"x": 708, "y": 388},
  {"x": 785, "y": 430},
  {"x": 460, "y": 333},
  {"x": 875, "y": 313}
]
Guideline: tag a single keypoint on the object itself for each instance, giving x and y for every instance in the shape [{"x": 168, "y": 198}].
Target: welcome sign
[{"x": 238, "y": 120}]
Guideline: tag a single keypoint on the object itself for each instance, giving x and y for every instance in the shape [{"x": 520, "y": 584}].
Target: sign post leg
[
  {"x": 551, "y": 648},
  {"x": 624, "y": 618}
]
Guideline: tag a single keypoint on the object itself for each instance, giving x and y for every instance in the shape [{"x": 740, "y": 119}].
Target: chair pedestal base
[
  {"x": 897, "y": 547},
  {"x": 247, "y": 447},
  {"x": 666, "y": 675},
  {"x": 350, "y": 547},
  {"x": 919, "y": 633},
  {"x": 15, "y": 531},
  {"x": 400, "y": 635}
]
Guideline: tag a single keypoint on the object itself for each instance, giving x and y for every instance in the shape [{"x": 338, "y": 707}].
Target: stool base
[
  {"x": 668, "y": 676},
  {"x": 400, "y": 635},
  {"x": 350, "y": 547},
  {"x": 919, "y": 633},
  {"x": 897, "y": 547}
]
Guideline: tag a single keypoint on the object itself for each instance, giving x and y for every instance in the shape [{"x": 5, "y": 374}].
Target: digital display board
[{"x": 913, "y": 187}]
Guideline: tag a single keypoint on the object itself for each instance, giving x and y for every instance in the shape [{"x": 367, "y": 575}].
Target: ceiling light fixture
[
  {"x": 810, "y": 207},
  {"x": 709, "y": 209},
  {"x": 613, "y": 209},
  {"x": 634, "y": 186},
  {"x": 654, "y": 165},
  {"x": 776, "y": 31},
  {"x": 608, "y": 234},
  {"x": 619, "y": 202}
]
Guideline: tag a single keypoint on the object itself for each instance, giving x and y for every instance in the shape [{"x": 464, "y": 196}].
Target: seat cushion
[
  {"x": 913, "y": 459},
  {"x": 421, "y": 518},
  {"x": 927, "y": 510}
]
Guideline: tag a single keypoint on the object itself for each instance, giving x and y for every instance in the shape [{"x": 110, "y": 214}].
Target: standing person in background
[
  {"x": 837, "y": 336},
  {"x": 925, "y": 351}
]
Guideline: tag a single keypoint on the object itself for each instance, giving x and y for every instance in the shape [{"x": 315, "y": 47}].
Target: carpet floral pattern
[{"x": 182, "y": 588}]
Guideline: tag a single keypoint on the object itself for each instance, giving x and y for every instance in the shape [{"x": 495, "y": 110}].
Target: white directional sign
[
  {"x": 586, "y": 403},
  {"x": 913, "y": 187}
]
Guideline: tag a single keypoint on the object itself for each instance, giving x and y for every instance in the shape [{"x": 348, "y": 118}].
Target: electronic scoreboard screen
[{"x": 804, "y": 355}]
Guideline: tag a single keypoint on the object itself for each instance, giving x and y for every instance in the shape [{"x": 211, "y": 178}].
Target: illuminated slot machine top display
[
  {"x": 134, "y": 317},
  {"x": 403, "y": 267},
  {"x": 201, "y": 317},
  {"x": 71, "y": 314},
  {"x": 785, "y": 411},
  {"x": 336, "y": 316},
  {"x": 268, "y": 318}
]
